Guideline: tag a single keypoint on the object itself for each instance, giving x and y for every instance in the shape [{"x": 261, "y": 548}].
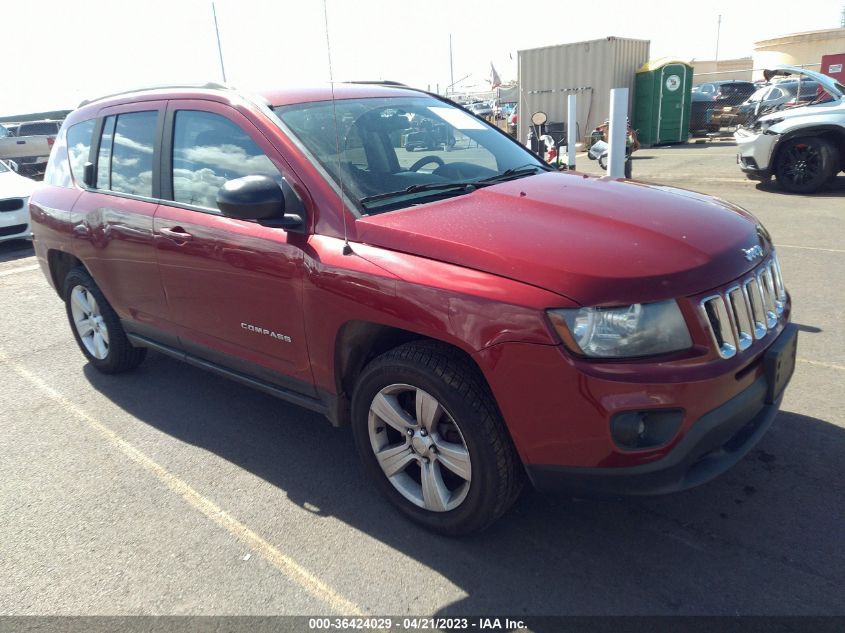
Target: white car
[
  {"x": 14, "y": 204},
  {"x": 802, "y": 147}
]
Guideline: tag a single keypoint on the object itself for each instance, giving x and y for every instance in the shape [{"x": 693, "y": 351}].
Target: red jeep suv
[{"x": 384, "y": 257}]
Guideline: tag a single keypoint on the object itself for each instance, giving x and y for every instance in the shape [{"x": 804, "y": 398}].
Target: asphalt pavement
[{"x": 173, "y": 491}]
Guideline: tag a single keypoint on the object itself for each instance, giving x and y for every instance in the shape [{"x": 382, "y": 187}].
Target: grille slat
[
  {"x": 745, "y": 312},
  {"x": 12, "y": 230},
  {"x": 11, "y": 204}
]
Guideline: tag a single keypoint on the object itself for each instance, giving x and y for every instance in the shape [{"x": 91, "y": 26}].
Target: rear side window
[
  {"x": 208, "y": 150},
  {"x": 79, "y": 147},
  {"x": 125, "y": 159},
  {"x": 132, "y": 153}
]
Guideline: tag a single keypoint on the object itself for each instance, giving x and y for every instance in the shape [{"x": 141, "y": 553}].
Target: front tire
[
  {"x": 805, "y": 165},
  {"x": 96, "y": 327},
  {"x": 430, "y": 436}
]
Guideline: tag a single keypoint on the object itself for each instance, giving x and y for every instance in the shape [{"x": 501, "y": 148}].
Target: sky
[{"x": 87, "y": 48}]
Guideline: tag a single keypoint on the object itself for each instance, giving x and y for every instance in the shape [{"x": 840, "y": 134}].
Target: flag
[{"x": 495, "y": 80}]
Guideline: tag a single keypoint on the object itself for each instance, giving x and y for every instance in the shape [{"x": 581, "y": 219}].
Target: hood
[
  {"x": 595, "y": 241},
  {"x": 13, "y": 185},
  {"x": 833, "y": 87}
]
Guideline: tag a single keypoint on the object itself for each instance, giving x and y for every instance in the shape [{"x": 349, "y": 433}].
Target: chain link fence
[{"x": 723, "y": 101}]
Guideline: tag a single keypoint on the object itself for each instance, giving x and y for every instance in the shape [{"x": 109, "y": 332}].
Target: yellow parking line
[
  {"x": 284, "y": 563},
  {"x": 821, "y": 364}
]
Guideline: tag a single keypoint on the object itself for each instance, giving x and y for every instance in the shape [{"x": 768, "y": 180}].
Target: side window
[
  {"x": 776, "y": 93},
  {"x": 132, "y": 153},
  {"x": 104, "y": 155},
  {"x": 79, "y": 147},
  {"x": 208, "y": 150}
]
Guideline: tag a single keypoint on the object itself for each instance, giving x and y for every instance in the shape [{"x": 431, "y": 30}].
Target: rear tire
[
  {"x": 96, "y": 327},
  {"x": 805, "y": 165},
  {"x": 424, "y": 407}
]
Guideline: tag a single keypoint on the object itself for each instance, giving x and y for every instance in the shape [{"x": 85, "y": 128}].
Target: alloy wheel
[
  {"x": 88, "y": 321},
  {"x": 419, "y": 447},
  {"x": 802, "y": 164}
]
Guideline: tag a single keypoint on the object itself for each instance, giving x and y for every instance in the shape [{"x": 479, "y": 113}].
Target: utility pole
[
  {"x": 718, "y": 30},
  {"x": 842, "y": 19},
  {"x": 219, "y": 48},
  {"x": 451, "y": 67}
]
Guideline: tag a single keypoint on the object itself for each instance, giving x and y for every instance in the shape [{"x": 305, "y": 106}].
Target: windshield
[
  {"x": 393, "y": 152},
  {"x": 758, "y": 96}
]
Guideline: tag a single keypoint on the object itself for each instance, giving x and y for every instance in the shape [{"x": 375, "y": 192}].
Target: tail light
[{"x": 51, "y": 140}]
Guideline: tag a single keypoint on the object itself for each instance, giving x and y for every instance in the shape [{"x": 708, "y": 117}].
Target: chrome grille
[{"x": 745, "y": 312}]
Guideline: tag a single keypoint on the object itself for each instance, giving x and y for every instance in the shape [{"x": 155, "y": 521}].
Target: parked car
[
  {"x": 709, "y": 99},
  {"x": 15, "y": 191},
  {"x": 28, "y": 144},
  {"x": 478, "y": 318},
  {"x": 785, "y": 94},
  {"x": 802, "y": 147},
  {"x": 481, "y": 109}
]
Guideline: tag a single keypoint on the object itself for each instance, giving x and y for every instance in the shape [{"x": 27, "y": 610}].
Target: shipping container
[
  {"x": 834, "y": 66},
  {"x": 587, "y": 69}
]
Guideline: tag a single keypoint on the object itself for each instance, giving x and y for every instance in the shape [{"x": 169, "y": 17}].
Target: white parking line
[
  {"x": 281, "y": 561},
  {"x": 20, "y": 269},
  {"x": 812, "y": 248},
  {"x": 821, "y": 364}
]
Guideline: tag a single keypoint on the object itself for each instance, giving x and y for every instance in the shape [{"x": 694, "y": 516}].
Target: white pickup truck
[{"x": 28, "y": 144}]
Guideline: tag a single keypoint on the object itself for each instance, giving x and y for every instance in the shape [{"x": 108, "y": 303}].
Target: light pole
[{"x": 718, "y": 30}]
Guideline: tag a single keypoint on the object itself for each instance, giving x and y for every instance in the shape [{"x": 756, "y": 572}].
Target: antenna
[
  {"x": 219, "y": 48},
  {"x": 347, "y": 249}
]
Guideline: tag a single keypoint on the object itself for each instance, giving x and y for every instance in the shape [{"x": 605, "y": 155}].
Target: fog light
[{"x": 645, "y": 429}]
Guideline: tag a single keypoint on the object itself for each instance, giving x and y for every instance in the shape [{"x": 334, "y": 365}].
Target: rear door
[
  {"x": 112, "y": 222},
  {"x": 234, "y": 287}
]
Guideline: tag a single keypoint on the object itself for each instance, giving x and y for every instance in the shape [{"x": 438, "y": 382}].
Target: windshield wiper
[
  {"x": 513, "y": 172},
  {"x": 466, "y": 186}
]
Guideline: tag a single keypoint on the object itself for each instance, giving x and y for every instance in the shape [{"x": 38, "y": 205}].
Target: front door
[{"x": 234, "y": 287}]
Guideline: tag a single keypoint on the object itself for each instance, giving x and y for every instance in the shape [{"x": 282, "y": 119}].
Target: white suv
[{"x": 802, "y": 147}]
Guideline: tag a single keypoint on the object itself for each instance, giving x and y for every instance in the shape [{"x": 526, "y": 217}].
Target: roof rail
[
  {"x": 379, "y": 82},
  {"x": 211, "y": 85}
]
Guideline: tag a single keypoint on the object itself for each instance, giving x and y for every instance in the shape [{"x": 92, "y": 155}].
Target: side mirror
[
  {"x": 14, "y": 166},
  {"x": 258, "y": 198}
]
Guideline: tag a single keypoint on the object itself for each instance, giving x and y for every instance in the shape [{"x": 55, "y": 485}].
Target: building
[
  {"x": 712, "y": 70},
  {"x": 587, "y": 69},
  {"x": 798, "y": 49}
]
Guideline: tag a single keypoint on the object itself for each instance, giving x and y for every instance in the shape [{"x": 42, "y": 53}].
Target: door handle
[
  {"x": 177, "y": 234},
  {"x": 21, "y": 142}
]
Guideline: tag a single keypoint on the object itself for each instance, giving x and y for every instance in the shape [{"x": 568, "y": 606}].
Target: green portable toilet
[{"x": 662, "y": 102}]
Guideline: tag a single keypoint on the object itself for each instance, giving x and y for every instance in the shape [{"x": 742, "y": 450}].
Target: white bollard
[
  {"x": 618, "y": 132},
  {"x": 571, "y": 130}
]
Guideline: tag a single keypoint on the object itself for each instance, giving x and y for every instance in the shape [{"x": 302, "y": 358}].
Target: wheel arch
[
  {"x": 358, "y": 342},
  {"x": 833, "y": 133},
  {"x": 60, "y": 264}
]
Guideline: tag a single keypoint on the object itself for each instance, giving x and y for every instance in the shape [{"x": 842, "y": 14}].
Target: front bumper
[
  {"x": 15, "y": 224},
  {"x": 715, "y": 443},
  {"x": 754, "y": 153}
]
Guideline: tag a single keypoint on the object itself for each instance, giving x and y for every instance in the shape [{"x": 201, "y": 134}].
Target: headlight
[
  {"x": 765, "y": 125},
  {"x": 642, "y": 329}
]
